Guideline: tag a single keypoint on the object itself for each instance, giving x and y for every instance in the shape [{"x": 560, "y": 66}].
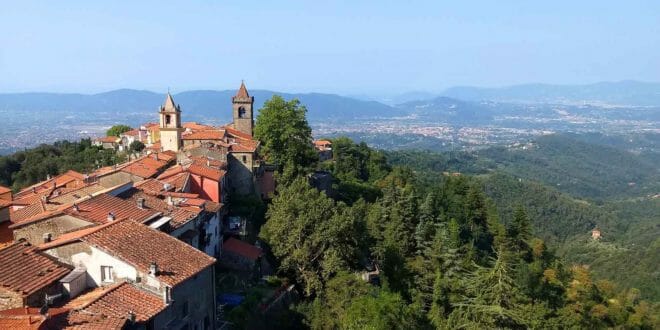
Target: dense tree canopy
[
  {"x": 117, "y": 129},
  {"x": 30, "y": 166},
  {"x": 286, "y": 138}
]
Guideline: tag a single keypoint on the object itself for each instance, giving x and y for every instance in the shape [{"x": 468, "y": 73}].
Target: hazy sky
[{"x": 348, "y": 47}]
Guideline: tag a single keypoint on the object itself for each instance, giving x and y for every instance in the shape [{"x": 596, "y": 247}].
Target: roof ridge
[
  {"x": 81, "y": 233},
  {"x": 107, "y": 290}
]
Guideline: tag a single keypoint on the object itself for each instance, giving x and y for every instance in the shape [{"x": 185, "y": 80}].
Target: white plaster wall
[{"x": 93, "y": 262}]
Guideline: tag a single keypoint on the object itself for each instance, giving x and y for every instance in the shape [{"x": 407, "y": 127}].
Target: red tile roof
[
  {"x": 196, "y": 126},
  {"x": 133, "y": 132},
  {"x": 145, "y": 167},
  {"x": 25, "y": 270},
  {"x": 207, "y": 172},
  {"x": 176, "y": 169},
  {"x": 244, "y": 146},
  {"x": 4, "y": 189},
  {"x": 151, "y": 202},
  {"x": 57, "y": 318},
  {"x": 97, "y": 209},
  {"x": 236, "y": 133},
  {"x": 205, "y": 135},
  {"x": 119, "y": 299},
  {"x": 140, "y": 245},
  {"x": 108, "y": 139},
  {"x": 242, "y": 92},
  {"x": 178, "y": 181},
  {"x": 241, "y": 248}
]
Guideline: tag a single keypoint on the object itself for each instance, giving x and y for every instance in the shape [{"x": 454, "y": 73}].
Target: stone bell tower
[
  {"x": 242, "y": 105},
  {"x": 170, "y": 125}
]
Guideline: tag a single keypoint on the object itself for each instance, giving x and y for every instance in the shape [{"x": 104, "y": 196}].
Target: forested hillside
[
  {"x": 444, "y": 253},
  {"x": 568, "y": 187}
]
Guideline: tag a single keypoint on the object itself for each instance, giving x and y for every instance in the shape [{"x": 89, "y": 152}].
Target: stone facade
[
  {"x": 241, "y": 172},
  {"x": 242, "y": 110},
  {"x": 55, "y": 226}
]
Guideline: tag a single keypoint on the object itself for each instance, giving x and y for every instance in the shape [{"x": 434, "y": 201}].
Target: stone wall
[{"x": 56, "y": 226}]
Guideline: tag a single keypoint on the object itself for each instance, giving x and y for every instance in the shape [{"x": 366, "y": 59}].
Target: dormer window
[{"x": 241, "y": 112}]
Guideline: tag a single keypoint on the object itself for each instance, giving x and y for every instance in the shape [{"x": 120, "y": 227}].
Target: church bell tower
[
  {"x": 170, "y": 125},
  {"x": 242, "y": 105}
]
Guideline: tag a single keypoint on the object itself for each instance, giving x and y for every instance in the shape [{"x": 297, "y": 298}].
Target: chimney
[
  {"x": 169, "y": 200},
  {"x": 47, "y": 176},
  {"x": 153, "y": 269},
  {"x": 140, "y": 203},
  {"x": 131, "y": 317},
  {"x": 34, "y": 190},
  {"x": 76, "y": 208},
  {"x": 111, "y": 216},
  {"x": 46, "y": 237},
  {"x": 208, "y": 163}
]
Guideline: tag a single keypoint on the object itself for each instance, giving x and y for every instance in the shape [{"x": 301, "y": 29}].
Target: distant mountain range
[
  {"x": 201, "y": 103},
  {"x": 617, "y": 93},
  {"x": 457, "y": 105}
]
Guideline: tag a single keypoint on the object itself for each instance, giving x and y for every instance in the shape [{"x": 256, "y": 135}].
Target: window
[
  {"x": 244, "y": 159},
  {"x": 241, "y": 112},
  {"x": 168, "y": 119},
  {"x": 106, "y": 274}
]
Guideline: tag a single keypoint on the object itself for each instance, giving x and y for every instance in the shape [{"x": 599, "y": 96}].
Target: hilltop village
[{"x": 136, "y": 244}]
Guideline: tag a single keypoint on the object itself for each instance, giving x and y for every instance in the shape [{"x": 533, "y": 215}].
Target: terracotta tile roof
[
  {"x": 166, "y": 155},
  {"x": 57, "y": 318},
  {"x": 211, "y": 206},
  {"x": 27, "y": 212},
  {"x": 236, "y": 133},
  {"x": 176, "y": 169},
  {"x": 151, "y": 202},
  {"x": 242, "y": 92},
  {"x": 155, "y": 146},
  {"x": 76, "y": 194},
  {"x": 196, "y": 126},
  {"x": 207, "y": 172},
  {"x": 151, "y": 186},
  {"x": 133, "y": 132},
  {"x": 241, "y": 248},
  {"x": 6, "y": 234},
  {"x": 145, "y": 167},
  {"x": 148, "y": 125},
  {"x": 205, "y": 161},
  {"x": 97, "y": 209},
  {"x": 4, "y": 189},
  {"x": 108, "y": 139},
  {"x": 205, "y": 135},
  {"x": 244, "y": 146},
  {"x": 47, "y": 186},
  {"x": 140, "y": 245},
  {"x": 119, "y": 299},
  {"x": 178, "y": 181},
  {"x": 25, "y": 270}
]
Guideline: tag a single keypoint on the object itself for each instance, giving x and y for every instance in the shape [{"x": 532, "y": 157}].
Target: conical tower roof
[
  {"x": 169, "y": 105},
  {"x": 242, "y": 92}
]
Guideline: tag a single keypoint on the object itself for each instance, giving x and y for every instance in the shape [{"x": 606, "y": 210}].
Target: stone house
[
  {"x": 176, "y": 274},
  {"x": 28, "y": 275}
]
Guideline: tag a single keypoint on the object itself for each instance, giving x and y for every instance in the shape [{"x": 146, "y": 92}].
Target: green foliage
[
  {"x": 136, "y": 146},
  {"x": 452, "y": 251},
  {"x": 30, "y": 166},
  {"x": 286, "y": 138},
  {"x": 117, "y": 129},
  {"x": 311, "y": 235}
]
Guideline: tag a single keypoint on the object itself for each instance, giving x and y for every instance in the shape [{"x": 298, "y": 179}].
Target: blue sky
[{"x": 347, "y": 47}]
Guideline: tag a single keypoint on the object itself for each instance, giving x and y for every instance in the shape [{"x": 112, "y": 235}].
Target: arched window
[
  {"x": 168, "y": 119},
  {"x": 241, "y": 112}
]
